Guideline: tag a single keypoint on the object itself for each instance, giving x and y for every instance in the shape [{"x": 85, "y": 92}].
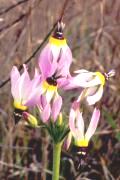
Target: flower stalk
[{"x": 56, "y": 160}]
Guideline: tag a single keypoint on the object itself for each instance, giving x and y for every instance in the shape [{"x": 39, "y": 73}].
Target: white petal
[
  {"x": 72, "y": 117},
  {"x": 96, "y": 97},
  {"x": 94, "y": 82},
  {"x": 81, "y": 71},
  {"x": 49, "y": 95},
  {"x": 76, "y": 123}
]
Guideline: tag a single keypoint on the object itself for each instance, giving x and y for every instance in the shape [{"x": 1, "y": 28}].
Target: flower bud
[{"x": 31, "y": 120}]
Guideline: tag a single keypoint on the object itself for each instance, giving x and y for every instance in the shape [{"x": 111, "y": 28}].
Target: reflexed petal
[
  {"x": 72, "y": 117},
  {"x": 92, "y": 90},
  {"x": 80, "y": 124},
  {"x": 55, "y": 52},
  {"x": 33, "y": 97},
  {"x": 24, "y": 84},
  {"x": 65, "y": 62},
  {"x": 81, "y": 80},
  {"x": 96, "y": 97},
  {"x": 76, "y": 122},
  {"x": 68, "y": 140},
  {"x": 45, "y": 61},
  {"x": 49, "y": 95},
  {"x": 56, "y": 107},
  {"x": 85, "y": 79},
  {"x": 36, "y": 73},
  {"x": 42, "y": 103},
  {"x": 81, "y": 71},
  {"x": 68, "y": 58},
  {"x": 14, "y": 77},
  {"x": 94, "y": 82},
  {"x": 93, "y": 124}
]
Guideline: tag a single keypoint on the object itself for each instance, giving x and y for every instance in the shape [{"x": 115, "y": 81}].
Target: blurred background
[{"x": 93, "y": 34}]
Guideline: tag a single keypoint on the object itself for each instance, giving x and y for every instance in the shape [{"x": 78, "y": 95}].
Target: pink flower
[
  {"x": 24, "y": 90},
  {"x": 56, "y": 57},
  {"x": 76, "y": 124},
  {"x": 54, "y": 62}
]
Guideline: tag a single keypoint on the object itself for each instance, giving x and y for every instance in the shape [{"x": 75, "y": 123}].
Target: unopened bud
[
  {"x": 60, "y": 120},
  {"x": 31, "y": 120}
]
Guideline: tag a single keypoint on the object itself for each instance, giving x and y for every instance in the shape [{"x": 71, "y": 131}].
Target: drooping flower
[
  {"x": 76, "y": 124},
  {"x": 92, "y": 82},
  {"x": 54, "y": 62},
  {"x": 56, "y": 56},
  {"x": 24, "y": 90}
]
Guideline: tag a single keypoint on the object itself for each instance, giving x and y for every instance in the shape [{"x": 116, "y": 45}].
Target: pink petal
[
  {"x": 72, "y": 117},
  {"x": 93, "y": 124},
  {"x": 80, "y": 124},
  {"x": 68, "y": 141},
  {"x": 24, "y": 84},
  {"x": 56, "y": 107},
  {"x": 65, "y": 61},
  {"x": 45, "y": 114},
  {"x": 45, "y": 61},
  {"x": 76, "y": 122},
  {"x": 14, "y": 77},
  {"x": 33, "y": 97},
  {"x": 85, "y": 79}
]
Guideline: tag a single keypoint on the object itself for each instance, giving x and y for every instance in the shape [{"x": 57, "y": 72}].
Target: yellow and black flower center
[
  {"x": 17, "y": 115},
  {"x": 18, "y": 111},
  {"x": 52, "y": 81}
]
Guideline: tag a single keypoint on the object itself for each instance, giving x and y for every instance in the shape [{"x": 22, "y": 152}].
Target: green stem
[{"x": 56, "y": 160}]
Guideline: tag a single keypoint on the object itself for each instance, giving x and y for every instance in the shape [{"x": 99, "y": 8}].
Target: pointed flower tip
[
  {"x": 60, "y": 25},
  {"x": 110, "y": 74},
  {"x": 25, "y": 67}
]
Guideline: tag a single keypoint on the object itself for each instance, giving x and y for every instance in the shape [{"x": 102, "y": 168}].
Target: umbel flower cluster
[{"x": 42, "y": 92}]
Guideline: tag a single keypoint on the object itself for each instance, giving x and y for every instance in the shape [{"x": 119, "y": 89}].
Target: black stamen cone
[
  {"x": 17, "y": 115},
  {"x": 58, "y": 33},
  {"x": 51, "y": 81}
]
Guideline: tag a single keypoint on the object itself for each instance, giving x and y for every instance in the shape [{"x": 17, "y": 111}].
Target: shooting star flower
[
  {"x": 56, "y": 55},
  {"x": 76, "y": 124},
  {"x": 54, "y": 62},
  {"x": 24, "y": 90},
  {"x": 92, "y": 82}
]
